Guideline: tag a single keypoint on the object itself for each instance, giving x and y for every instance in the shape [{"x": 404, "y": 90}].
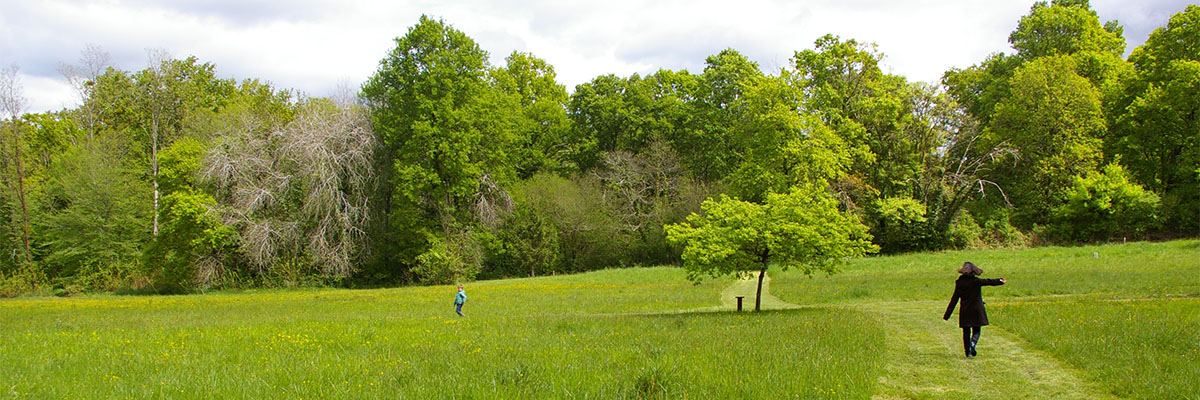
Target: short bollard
[{"x": 740, "y": 302}]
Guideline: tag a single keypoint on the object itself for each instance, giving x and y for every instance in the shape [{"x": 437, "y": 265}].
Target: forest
[{"x": 444, "y": 168}]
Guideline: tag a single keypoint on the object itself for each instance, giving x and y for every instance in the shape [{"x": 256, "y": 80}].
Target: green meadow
[{"x": 1118, "y": 321}]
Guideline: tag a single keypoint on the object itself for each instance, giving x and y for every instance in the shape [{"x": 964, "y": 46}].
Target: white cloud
[
  {"x": 312, "y": 45},
  {"x": 47, "y": 93}
]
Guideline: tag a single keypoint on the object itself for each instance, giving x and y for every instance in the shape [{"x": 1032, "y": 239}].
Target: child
[
  {"x": 972, "y": 316},
  {"x": 459, "y": 300}
]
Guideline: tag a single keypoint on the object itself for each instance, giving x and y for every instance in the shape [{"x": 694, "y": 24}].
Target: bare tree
[
  {"x": 345, "y": 94},
  {"x": 13, "y": 102},
  {"x": 308, "y": 184},
  {"x": 962, "y": 161},
  {"x": 333, "y": 150},
  {"x": 245, "y": 168},
  {"x": 491, "y": 203},
  {"x": 642, "y": 185},
  {"x": 93, "y": 61}
]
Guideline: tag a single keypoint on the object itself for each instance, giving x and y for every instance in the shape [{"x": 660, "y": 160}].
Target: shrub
[
  {"x": 525, "y": 245},
  {"x": 190, "y": 231},
  {"x": 899, "y": 224},
  {"x": 588, "y": 232},
  {"x": 1103, "y": 205},
  {"x": 23, "y": 280},
  {"x": 447, "y": 261},
  {"x": 964, "y": 232}
]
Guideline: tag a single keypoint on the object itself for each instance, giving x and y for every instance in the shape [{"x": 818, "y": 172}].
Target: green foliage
[
  {"x": 1105, "y": 205},
  {"x": 645, "y": 191},
  {"x": 589, "y": 234},
  {"x": 802, "y": 229},
  {"x": 426, "y": 100},
  {"x": 711, "y": 144},
  {"x": 449, "y": 140},
  {"x": 97, "y": 225},
  {"x": 179, "y": 165},
  {"x": 163, "y": 97},
  {"x": 981, "y": 87},
  {"x": 964, "y": 232},
  {"x": 874, "y": 113},
  {"x": 192, "y": 244},
  {"x": 899, "y": 224},
  {"x": 1054, "y": 121},
  {"x": 1062, "y": 28},
  {"x": 1156, "y": 117},
  {"x": 525, "y": 245},
  {"x": 48, "y": 135},
  {"x": 627, "y": 114},
  {"x": 541, "y": 123},
  {"x": 449, "y": 261},
  {"x": 784, "y": 148}
]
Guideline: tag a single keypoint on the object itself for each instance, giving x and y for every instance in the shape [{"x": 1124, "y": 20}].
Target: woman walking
[{"x": 972, "y": 316}]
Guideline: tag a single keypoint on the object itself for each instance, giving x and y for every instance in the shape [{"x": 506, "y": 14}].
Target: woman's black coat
[{"x": 972, "y": 312}]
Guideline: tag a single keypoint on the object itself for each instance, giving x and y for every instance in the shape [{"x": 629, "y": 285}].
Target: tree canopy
[
  {"x": 445, "y": 167},
  {"x": 800, "y": 229}
]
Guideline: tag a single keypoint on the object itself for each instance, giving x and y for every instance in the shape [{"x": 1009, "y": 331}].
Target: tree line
[{"x": 443, "y": 167}]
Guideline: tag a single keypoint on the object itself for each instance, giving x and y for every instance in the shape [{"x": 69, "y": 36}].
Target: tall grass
[
  {"x": 1128, "y": 316},
  {"x": 1124, "y": 315},
  {"x": 1146, "y": 349},
  {"x": 1134, "y": 269},
  {"x": 609, "y": 334}
]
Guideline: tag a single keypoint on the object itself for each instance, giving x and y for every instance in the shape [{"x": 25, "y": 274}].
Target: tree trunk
[
  {"x": 154, "y": 172},
  {"x": 21, "y": 191},
  {"x": 758, "y": 295}
]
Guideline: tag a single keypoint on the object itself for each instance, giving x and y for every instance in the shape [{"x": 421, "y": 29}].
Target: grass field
[
  {"x": 1148, "y": 348},
  {"x": 1079, "y": 322},
  {"x": 610, "y": 334},
  {"x": 1086, "y": 322}
]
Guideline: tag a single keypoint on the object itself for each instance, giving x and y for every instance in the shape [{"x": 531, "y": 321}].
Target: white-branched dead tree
[
  {"x": 13, "y": 102},
  {"x": 963, "y": 158},
  {"x": 491, "y": 203},
  {"x": 641, "y": 185},
  {"x": 333, "y": 147},
  {"x": 301, "y": 190},
  {"x": 93, "y": 61}
]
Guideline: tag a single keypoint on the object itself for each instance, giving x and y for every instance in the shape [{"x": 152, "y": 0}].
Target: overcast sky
[{"x": 315, "y": 45}]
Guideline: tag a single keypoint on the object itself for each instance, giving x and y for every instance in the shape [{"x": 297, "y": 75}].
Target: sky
[{"x": 319, "y": 46}]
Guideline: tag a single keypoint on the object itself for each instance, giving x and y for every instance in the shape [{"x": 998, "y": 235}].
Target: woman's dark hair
[{"x": 969, "y": 269}]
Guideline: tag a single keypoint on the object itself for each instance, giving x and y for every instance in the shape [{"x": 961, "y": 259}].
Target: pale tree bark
[
  {"x": 154, "y": 93},
  {"x": 641, "y": 184},
  {"x": 13, "y": 101},
  {"x": 303, "y": 189},
  {"x": 961, "y": 165},
  {"x": 93, "y": 61}
]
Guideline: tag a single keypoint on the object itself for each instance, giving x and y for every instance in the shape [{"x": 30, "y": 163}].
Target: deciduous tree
[
  {"x": 1156, "y": 119},
  {"x": 799, "y": 229},
  {"x": 13, "y": 103}
]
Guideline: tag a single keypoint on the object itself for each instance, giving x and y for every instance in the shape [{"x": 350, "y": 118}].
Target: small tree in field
[{"x": 800, "y": 229}]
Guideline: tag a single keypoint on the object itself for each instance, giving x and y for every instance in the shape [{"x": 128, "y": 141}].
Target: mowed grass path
[
  {"x": 1087, "y": 322},
  {"x": 1083, "y": 322}
]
